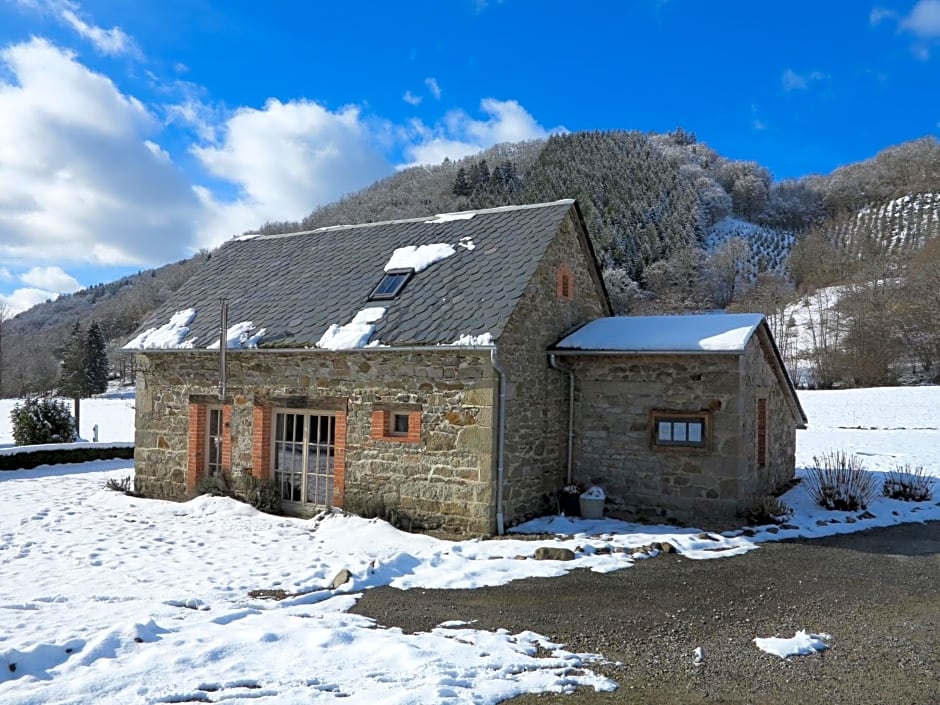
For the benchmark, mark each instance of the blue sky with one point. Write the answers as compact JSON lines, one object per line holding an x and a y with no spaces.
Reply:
{"x":133,"y":134}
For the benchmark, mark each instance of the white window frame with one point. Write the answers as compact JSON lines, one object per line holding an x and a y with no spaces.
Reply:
{"x":679,"y":430}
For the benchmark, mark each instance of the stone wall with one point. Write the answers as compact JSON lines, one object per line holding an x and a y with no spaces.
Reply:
{"x":614,"y":399}
{"x":759,"y":379}
{"x":537,"y":404}
{"x":445,"y":481}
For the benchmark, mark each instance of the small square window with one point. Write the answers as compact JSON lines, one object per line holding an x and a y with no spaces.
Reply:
{"x":676,"y":430}
{"x":392,"y":283}
{"x":399,"y":424}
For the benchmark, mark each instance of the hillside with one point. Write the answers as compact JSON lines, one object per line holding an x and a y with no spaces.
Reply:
{"x":676,"y":226}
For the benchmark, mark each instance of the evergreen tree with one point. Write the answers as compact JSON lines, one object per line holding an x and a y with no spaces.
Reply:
{"x":72,"y":381}
{"x":96,"y":361}
{"x":462,"y":186}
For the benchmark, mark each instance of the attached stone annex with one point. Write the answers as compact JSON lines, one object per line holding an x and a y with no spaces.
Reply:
{"x":419,"y":369}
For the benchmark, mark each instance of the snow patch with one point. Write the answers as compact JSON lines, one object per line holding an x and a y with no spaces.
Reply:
{"x":169,"y":335}
{"x":419,"y":257}
{"x":472,"y":340}
{"x":238,"y":336}
{"x":466,"y":243}
{"x":354,"y":334}
{"x":450,"y":217}
{"x":801,"y":644}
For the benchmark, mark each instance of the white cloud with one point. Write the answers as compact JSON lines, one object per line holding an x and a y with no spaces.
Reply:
{"x":52,"y":278}
{"x":286,"y":159}
{"x":459,"y":134}
{"x":411,"y":98}
{"x":433,"y":86}
{"x":22,"y":299}
{"x":5,"y":275}
{"x":880,"y":14}
{"x":924,"y":19}
{"x":792,"y":81}
{"x":78,"y":181}
{"x":112,"y":42}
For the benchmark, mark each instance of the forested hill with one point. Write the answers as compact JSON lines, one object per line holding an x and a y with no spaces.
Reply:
{"x":676,"y":225}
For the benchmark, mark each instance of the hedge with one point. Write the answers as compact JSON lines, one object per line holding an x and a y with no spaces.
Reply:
{"x":14,"y":459}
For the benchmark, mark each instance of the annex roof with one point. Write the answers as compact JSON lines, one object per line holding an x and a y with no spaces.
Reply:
{"x":470,"y":271}
{"x":707,"y":333}
{"x":699,"y":334}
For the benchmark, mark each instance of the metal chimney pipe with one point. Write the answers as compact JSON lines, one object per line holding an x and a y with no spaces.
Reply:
{"x":223,"y":345}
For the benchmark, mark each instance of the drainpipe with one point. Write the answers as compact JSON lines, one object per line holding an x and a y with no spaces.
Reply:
{"x":223,"y":345}
{"x":500,"y":441}
{"x":553,"y":362}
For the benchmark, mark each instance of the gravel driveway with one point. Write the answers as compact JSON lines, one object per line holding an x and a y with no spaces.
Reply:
{"x":877,"y":593}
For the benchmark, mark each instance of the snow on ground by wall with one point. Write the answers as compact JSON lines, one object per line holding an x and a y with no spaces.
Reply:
{"x":108,"y":598}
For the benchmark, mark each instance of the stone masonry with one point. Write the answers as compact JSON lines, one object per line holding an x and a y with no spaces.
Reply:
{"x":537,"y":404}
{"x":616,"y":395}
{"x":444,"y":482}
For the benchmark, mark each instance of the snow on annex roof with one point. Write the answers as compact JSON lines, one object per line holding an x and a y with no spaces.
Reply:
{"x":708,"y":333}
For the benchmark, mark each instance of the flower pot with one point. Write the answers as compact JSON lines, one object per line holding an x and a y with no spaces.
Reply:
{"x":569,"y":504}
{"x":591,"y":507}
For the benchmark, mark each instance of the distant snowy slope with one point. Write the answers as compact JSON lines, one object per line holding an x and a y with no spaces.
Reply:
{"x":895,"y":226}
{"x":769,"y":247}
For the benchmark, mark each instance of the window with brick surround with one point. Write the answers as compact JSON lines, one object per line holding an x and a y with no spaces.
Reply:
{"x":401,"y":425}
{"x":209,"y":442}
{"x":214,"y":441}
{"x":564,"y":283}
{"x":679,"y":429}
{"x":762,"y":432}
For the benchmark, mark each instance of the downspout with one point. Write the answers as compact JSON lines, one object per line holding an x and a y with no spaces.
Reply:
{"x":500,"y":440}
{"x":223,"y":345}
{"x":553,"y":362}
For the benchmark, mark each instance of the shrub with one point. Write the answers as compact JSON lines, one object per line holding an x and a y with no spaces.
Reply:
{"x":839,"y":481}
{"x":37,"y":421}
{"x":766,"y":509}
{"x":125,"y":485}
{"x":909,"y":483}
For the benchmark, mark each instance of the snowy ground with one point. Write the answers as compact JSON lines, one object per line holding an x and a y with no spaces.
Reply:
{"x":110,"y":599}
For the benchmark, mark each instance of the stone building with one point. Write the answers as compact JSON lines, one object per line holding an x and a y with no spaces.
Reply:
{"x":411,"y":368}
{"x":682,"y":417}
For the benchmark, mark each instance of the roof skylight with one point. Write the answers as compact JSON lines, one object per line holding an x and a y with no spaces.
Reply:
{"x":392,"y":283}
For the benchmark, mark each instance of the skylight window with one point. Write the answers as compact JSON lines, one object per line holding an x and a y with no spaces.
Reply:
{"x":391,"y":284}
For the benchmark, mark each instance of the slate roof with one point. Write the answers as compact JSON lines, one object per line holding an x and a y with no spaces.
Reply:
{"x":297,"y":285}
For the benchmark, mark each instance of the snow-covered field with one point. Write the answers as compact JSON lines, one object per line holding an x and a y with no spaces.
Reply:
{"x":113,"y":413}
{"x":110,"y":599}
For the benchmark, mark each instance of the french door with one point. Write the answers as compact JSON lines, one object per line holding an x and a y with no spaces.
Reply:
{"x":304,"y":453}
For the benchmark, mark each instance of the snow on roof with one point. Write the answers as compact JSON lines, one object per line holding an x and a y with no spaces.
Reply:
{"x":354,"y":334}
{"x":448,"y":217}
{"x":238,"y":336}
{"x":419,"y":257}
{"x":699,"y":333}
{"x":169,"y":335}
{"x":472,"y":340}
